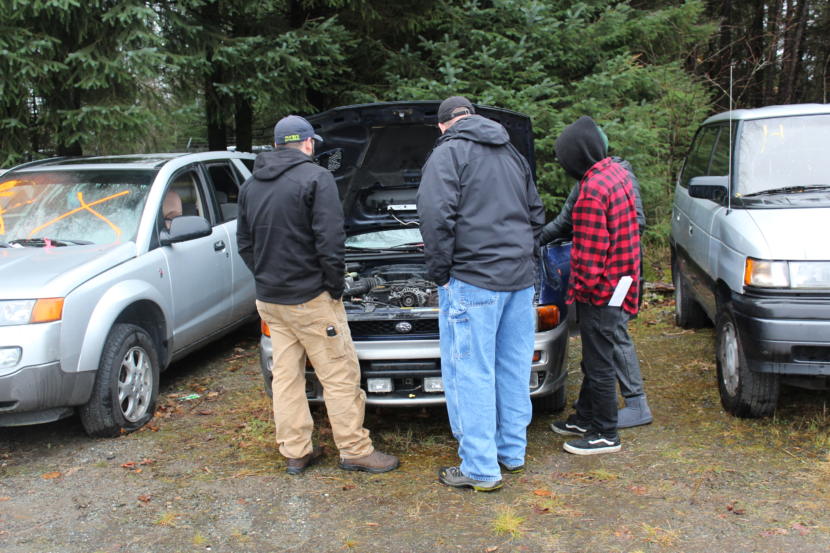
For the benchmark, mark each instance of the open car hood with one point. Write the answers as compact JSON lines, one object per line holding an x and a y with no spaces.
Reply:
{"x":376,"y":152}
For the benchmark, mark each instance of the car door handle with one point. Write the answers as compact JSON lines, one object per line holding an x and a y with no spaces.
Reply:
{"x":219,"y":246}
{"x":691,"y":230}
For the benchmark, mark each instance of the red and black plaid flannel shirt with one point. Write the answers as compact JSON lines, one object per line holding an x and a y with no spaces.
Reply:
{"x":606,"y":239}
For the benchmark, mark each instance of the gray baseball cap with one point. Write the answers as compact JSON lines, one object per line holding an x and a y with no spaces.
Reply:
{"x":294,"y":128}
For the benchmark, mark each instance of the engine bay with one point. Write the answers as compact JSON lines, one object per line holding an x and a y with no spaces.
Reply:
{"x":389,"y":286}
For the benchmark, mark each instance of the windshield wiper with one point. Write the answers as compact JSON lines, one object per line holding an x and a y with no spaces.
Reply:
{"x":42,"y":242}
{"x":408,"y":246}
{"x":789,"y":190}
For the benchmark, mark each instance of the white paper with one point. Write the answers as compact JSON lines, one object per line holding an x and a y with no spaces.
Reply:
{"x":620,"y":291}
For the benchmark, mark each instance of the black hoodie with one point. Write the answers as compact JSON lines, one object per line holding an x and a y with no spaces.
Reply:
{"x":290,"y":229}
{"x":479,"y":209}
{"x":580,"y":147}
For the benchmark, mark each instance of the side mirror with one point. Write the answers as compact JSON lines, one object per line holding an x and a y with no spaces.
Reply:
{"x":184,"y":228}
{"x":713,"y":188}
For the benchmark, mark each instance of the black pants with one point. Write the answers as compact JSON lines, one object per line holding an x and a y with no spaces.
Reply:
{"x":600,"y":328}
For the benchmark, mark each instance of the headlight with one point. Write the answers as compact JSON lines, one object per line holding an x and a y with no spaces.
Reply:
{"x":16,"y":312}
{"x":787,"y":274}
{"x":21,"y":312}
{"x":810,"y":274}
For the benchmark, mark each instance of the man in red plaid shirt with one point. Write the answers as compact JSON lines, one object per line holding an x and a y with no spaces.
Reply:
{"x":605,"y":261}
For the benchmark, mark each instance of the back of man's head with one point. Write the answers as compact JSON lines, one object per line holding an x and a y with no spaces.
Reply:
{"x":454,"y":106}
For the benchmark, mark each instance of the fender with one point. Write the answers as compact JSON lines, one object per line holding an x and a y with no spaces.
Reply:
{"x":109,"y":307}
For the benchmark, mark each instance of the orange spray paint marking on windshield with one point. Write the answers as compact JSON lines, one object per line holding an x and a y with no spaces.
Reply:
{"x":6,"y":192}
{"x":84,"y":207}
{"x":112,"y":225}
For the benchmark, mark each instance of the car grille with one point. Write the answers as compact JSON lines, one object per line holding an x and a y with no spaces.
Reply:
{"x":387,"y":328}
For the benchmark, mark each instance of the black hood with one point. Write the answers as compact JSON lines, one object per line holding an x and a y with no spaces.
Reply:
{"x":580,"y":146}
{"x":376,"y":152}
{"x":478,"y":129}
{"x":270,"y":165}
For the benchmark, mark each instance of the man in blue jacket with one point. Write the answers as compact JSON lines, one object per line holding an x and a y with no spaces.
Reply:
{"x":480,"y":218}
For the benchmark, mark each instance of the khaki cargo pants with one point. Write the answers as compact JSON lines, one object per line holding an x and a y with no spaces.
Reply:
{"x":298,"y":331}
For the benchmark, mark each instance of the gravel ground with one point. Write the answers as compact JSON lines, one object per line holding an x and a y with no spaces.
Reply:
{"x":205,"y":475}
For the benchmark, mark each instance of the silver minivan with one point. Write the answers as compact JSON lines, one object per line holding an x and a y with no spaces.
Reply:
{"x":750,"y":242}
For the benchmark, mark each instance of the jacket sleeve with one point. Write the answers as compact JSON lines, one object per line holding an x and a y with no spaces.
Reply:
{"x":562,"y":226}
{"x":437,"y":199}
{"x":329,"y":236}
{"x":244,"y":236}
{"x":536,"y":210}
{"x":638,"y":202}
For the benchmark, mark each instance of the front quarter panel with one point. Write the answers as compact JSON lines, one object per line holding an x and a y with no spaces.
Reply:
{"x":91,"y":310}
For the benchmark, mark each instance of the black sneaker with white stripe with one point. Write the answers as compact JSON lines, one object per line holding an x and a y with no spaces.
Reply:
{"x":570,"y":427}
{"x":593,"y":444}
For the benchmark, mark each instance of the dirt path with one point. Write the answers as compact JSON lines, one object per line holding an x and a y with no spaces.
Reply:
{"x":206,"y":476}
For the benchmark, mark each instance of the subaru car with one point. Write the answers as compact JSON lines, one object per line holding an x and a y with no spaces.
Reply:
{"x":376,"y":152}
{"x":112,"y":267}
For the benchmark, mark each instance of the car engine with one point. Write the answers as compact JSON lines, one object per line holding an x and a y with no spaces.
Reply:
{"x":391,"y":286}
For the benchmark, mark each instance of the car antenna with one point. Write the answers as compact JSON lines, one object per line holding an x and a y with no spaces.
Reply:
{"x":729,"y":171}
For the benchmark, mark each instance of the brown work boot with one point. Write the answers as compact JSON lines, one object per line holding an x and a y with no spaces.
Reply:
{"x":296,"y":466}
{"x":376,"y":462}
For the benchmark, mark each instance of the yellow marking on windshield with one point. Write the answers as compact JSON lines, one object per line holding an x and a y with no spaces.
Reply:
{"x":112,"y":225}
{"x":768,"y":134}
{"x":84,"y":207}
{"x":7,"y":192}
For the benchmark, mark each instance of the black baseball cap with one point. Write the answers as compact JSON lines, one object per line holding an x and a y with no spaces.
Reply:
{"x":294,"y":128}
{"x":454,"y":106}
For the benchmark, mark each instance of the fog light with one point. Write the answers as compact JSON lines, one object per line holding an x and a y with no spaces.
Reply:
{"x":9,"y":357}
{"x":379,"y":385}
{"x":534,"y":380}
{"x":433,"y":384}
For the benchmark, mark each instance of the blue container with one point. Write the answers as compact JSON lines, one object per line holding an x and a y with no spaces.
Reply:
{"x":555,"y":269}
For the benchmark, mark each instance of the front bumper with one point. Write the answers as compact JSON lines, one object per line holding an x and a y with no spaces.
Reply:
{"x":37,"y":388}
{"x":785,"y":335}
{"x":408,"y":362}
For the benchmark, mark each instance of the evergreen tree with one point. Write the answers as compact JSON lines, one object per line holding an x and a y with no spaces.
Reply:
{"x":73,"y":76}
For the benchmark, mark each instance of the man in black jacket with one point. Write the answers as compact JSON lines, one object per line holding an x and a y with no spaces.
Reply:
{"x":480,"y":217}
{"x":290,"y":235}
{"x":636,"y":411}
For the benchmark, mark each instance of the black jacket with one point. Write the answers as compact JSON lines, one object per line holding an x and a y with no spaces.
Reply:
{"x":290,"y":228}
{"x":479,"y":209}
{"x":562,"y":226}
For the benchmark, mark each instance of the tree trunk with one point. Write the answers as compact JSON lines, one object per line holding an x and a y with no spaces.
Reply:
{"x":244,"y":125}
{"x":214,"y":113}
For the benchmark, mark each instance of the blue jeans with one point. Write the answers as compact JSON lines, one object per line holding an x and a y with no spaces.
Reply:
{"x":487,"y":342}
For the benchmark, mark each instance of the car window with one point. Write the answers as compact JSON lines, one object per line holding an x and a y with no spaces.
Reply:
{"x":697,"y":162}
{"x":224,"y":183}
{"x":77,"y":206}
{"x":183,"y":197}
{"x":249,"y":163}
{"x":720,"y":155}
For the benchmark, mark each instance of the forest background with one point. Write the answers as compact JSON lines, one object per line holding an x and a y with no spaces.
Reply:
{"x":125,"y":76}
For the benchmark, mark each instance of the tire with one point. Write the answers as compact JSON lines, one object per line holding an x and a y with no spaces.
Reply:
{"x":687,"y":312}
{"x":743,"y":392}
{"x":126,"y":386}
{"x":552,"y":403}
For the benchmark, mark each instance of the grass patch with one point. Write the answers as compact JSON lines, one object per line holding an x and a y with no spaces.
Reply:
{"x":507,"y":522}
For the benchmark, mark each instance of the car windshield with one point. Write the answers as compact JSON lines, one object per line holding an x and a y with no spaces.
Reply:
{"x":72,"y":207}
{"x":385,"y":239}
{"x":785,"y":154}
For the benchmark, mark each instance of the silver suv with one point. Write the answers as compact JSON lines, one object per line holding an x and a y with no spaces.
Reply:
{"x":111,"y":268}
{"x":750,"y":250}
